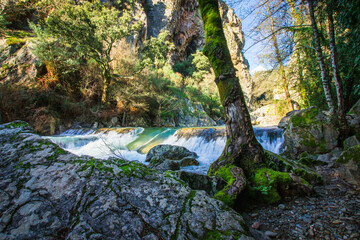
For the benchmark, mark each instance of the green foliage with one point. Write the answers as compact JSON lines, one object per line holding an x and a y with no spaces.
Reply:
{"x":155,"y":51}
{"x":3,"y":23}
{"x":185,"y":68}
{"x":91,"y":29}
{"x":61,"y":58}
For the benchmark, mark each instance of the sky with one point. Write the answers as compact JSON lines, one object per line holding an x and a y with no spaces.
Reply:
{"x":250,"y":51}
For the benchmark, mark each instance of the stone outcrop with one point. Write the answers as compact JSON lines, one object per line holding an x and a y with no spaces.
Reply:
{"x":349,"y":165}
{"x":47,"y":193}
{"x":310,"y":130}
{"x":18,"y":63}
{"x":181,"y":18}
{"x":169,"y":157}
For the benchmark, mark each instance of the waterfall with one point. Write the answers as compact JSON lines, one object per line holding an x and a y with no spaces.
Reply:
{"x":134,"y":143}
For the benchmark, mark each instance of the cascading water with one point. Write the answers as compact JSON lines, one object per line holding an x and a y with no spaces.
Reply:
{"x":134,"y":143}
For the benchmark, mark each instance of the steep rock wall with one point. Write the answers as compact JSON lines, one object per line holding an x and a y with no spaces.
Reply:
{"x":181,"y":18}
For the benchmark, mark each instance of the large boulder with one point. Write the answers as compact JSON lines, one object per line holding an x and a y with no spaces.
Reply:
{"x":310,"y":130}
{"x":349,"y":165}
{"x":48,"y":193}
{"x":353,"y":119}
{"x":169,"y":157}
{"x":284,"y":122}
{"x":197,"y":181}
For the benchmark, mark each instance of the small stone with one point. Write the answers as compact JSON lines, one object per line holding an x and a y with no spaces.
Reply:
{"x":256,"y":225}
{"x":254,"y":215}
{"x":355,"y":235}
{"x":311,"y":233}
{"x":271,"y":234}
{"x":282,"y":206}
{"x":336,"y":222}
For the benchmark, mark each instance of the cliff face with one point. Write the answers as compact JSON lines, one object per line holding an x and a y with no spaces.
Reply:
{"x":181,"y":18}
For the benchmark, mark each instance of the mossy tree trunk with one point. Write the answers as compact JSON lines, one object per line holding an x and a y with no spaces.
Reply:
{"x":105,"y":97}
{"x":243,"y":160}
{"x":242,"y":149}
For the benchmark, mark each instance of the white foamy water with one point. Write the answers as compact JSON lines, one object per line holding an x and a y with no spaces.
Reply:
{"x":134,"y":144}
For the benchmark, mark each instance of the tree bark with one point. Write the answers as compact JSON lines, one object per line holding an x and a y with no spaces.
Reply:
{"x":107,"y":80}
{"x":337,"y":77}
{"x":242,"y":149}
{"x":297,"y":38}
{"x":279,"y":60}
{"x":324,"y":74}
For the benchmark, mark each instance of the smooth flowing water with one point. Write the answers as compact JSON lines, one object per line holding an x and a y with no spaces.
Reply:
{"x":134,"y":143}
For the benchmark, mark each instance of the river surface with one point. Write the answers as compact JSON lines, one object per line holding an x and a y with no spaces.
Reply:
{"x":133,"y":143}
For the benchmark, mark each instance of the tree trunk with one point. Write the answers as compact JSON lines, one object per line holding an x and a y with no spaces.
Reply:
{"x":242,"y":149}
{"x":279,"y":60}
{"x":324,"y":74}
{"x":337,"y":78}
{"x":107,"y":80}
{"x":297,"y":38}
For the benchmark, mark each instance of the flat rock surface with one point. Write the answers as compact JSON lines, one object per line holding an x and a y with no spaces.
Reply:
{"x":47,"y":193}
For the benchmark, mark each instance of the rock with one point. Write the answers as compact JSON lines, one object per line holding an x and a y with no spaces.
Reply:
{"x":48,"y":193}
{"x":351,"y":142}
{"x":197,"y":181}
{"x":281,"y":206}
{"x":270,"y":234}
{"x":284,"y":122}
{"x":310,"y":130}
{"x":265,"y":116}
{"x":256,"y":225}
{"x":192,"y":115}
{"x":355,"y":110}
{"x":169,"y":157}
{"x":114,"y":121}
{"x":349,"y":165}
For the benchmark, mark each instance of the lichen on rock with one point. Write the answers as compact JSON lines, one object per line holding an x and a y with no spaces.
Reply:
{"x":48,"y":193}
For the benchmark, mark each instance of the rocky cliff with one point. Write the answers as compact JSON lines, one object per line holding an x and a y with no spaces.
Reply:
{"x":181,"y":18}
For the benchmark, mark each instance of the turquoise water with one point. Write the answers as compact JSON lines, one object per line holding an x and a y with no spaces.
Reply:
{"x":134,"y":143}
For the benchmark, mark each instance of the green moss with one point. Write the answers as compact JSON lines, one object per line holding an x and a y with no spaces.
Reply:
{"x":270,"y":179}
{"x":226,"y":174}
{"x":306,"y":118}
{"x":219,"y":235}
{"x":351,"y":154}
{"x":17,"y":124}
{"x":225,"y":197}
{"x":11,"y":41}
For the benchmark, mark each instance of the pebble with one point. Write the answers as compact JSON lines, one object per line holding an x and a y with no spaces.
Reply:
{"x":271,"y":234}
{"x":281,"y":206}
{"x":255,"y":225}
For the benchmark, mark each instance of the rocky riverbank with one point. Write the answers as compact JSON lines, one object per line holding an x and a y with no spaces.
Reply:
{"x":333,"y":213}
{"x":48,"y":193}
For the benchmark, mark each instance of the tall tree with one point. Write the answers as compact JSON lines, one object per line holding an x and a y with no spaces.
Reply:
{"x":324,"y":73}
{"x":92,"y":29}
{"x":242,"y":149}
{"x":336,"y":72}
{"x":298,"y":22}
{"x":279,"y":59}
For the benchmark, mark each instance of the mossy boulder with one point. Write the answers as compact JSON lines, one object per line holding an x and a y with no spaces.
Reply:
{"x":274,"y":180}
{"x":351,"y":142}
{"x":353,"y":119}
{"x":310,"y":130}
{"x":349,"y":165}
{"x":169,"y":157}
